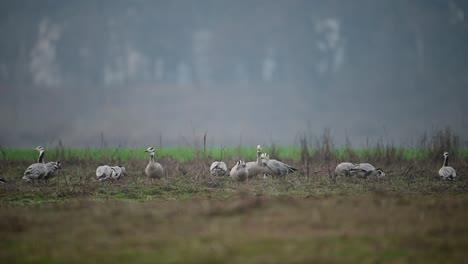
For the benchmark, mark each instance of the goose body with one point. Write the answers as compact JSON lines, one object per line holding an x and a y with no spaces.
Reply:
{"x":274,"y":167}
{"x":343,"y":169}
{"x":364,"y":170}
{"x":447,"y":172}
{"x":239,"y":172}
{"x":153,"y":170}
{"x":218,"y":168}
{"x":256,"y":167}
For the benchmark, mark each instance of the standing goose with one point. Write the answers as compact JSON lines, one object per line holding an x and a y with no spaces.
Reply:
{"x":256,"y":167}
{"x":239,"y":172}
{"x":153,"y":170}
{"x":343,"y":169}
{"x":218,"y":168}
{"x":274,"y":167}
{"x":447,"y":172}
{"x":37,"y":170}
{"x":364,"y":170}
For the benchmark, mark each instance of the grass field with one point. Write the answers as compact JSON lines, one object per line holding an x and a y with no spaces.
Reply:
{"x":190,"y":217}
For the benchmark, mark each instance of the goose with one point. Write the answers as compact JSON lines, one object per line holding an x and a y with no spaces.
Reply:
{"x":343,"y":169}
{"x":274,"y":167}
{"x":218,"y":168}
{"x":239,"y":172}
{"x":364,"y":170}
{"x":52,"y":168}
{"x":256,"y":167}
{"x":104,"y":172}
{"x":153,"y":170}
{"x":119,"y":171}
{"x":447,"y":172}
{"x":37,"y":170}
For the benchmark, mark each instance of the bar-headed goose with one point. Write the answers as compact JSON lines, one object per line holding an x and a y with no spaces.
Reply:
{"x":119,"y":171}
{"x":218,"y":168}
{"x":274,"y":167}
{"x":239,"y":172}
{"x":52,"y":169}
{"x":447,"y":172}
{"x":364,"y":170}
{"x":104,"y":172}
{"x":153,"y":170}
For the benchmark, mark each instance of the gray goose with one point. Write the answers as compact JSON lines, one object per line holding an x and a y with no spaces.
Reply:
{"x":153,"y":170}
{"x":447,"y":172}
{"x":274,"y":167}
{"x":239,"y":172}
{"x":104,"y":172}
{"x":364,"y":170}
{"x":218,"y":168}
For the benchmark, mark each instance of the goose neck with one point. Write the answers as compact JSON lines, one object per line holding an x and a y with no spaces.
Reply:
{"x":445,"y":161}
{"x":41,"y":156}
{"x":259,"y":153}
{"x":152,"y":157}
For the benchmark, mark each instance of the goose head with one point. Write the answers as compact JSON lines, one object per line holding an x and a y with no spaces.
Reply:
{"x":58,"y":165}
{"x":150,"y":150}
{"x":241,"y":164}
{"x":39,"y":149}
{"x":380,"y":172}
{"x":446,"y":154}
{"x":264,"y":158}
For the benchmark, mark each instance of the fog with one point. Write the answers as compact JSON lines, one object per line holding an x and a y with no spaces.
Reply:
{"x":140,"y":73}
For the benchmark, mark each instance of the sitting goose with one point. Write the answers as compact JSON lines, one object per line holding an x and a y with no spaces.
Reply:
{"x":104,"y":172}
{"x":153,"y":170}
{"x":239,"y":172}
{"x":447,"y":172}
{"x":256,"y":167}
{"x":218,"y":168}
{"x":37,"y":170}
{"x":119,"y":171}
{"x":343,"y":169}
{"x":274,"y":167}
{"x":364,"y":170}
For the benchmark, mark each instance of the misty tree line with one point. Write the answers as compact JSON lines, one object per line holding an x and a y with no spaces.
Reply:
{"x":54,"y":43}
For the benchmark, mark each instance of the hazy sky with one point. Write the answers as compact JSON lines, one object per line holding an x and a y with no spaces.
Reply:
{"x":252,"y":72}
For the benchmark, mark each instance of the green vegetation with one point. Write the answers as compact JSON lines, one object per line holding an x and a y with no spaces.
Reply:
{"x":189,"y":154}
